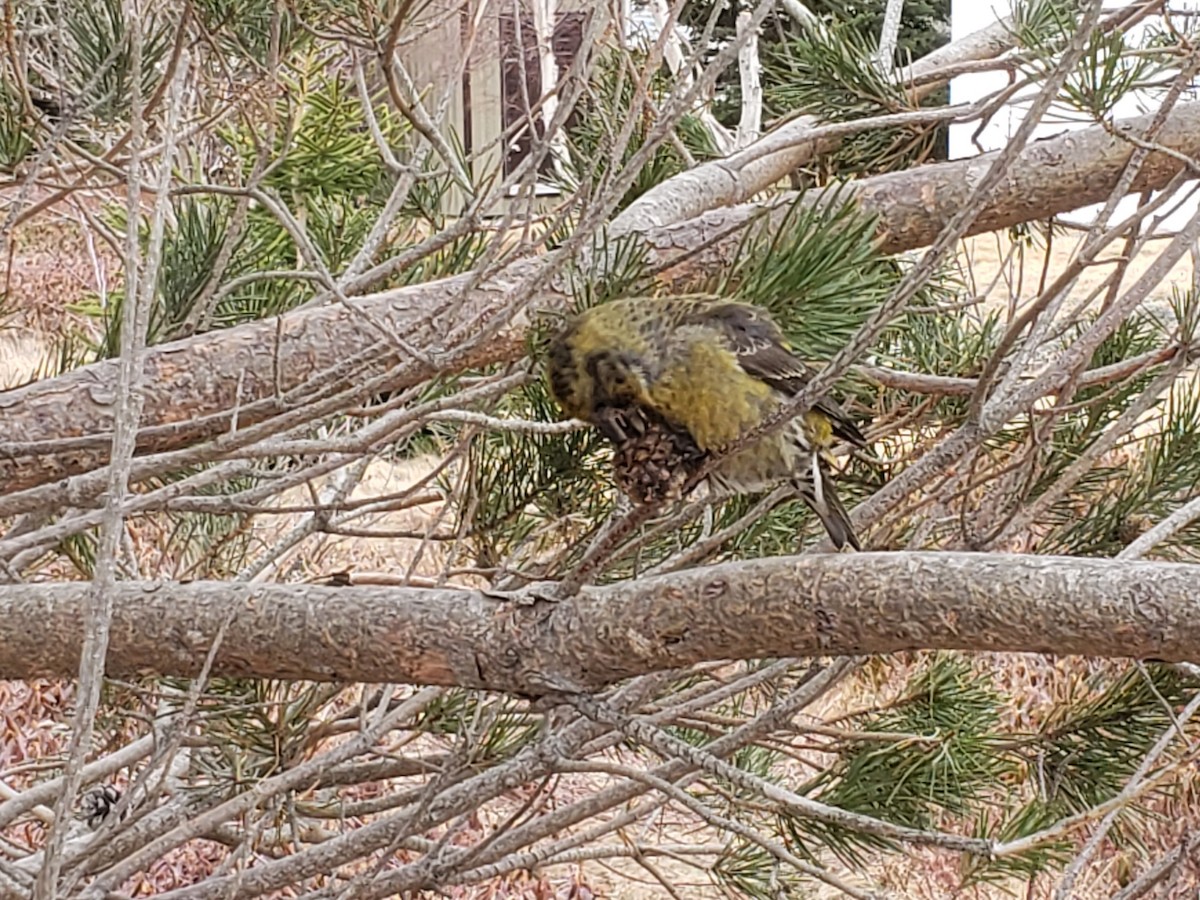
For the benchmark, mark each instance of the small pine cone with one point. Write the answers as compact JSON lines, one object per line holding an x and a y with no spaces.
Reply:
{"x":1132,"y":527}
{"x":654,"y":466}
{"x":97,"y":804}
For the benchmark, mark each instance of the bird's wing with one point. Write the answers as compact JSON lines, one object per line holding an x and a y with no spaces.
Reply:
{"x":763,"y":352}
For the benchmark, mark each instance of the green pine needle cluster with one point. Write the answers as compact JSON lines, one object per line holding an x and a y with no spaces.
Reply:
{"x":595,"y":130}
{"x":494,"y":728}
{"x":835,"y":78}
{"x":16,"y":135}
{"x":98,"y":64}
{"x":817,"y":270}
{"x":747,"y":869}
{"x":944,"y":761}
{"x":259,"y":727}
{"x":1113,"y":65}
{"x":1157,"y":476}
{"x":523,"y":485}
{"x":242,"y":28}
{"x":924,"y":24}
{"x":330,"y":176}
{"x":1083,"y":755}
{"x":939,"y":757}
{"x":1145,"y":477}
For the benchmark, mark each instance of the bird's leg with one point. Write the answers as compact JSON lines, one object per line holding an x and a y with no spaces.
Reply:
{"x":528,"y":595}
{"x":603,"y":546}
{"x":613,"y":534}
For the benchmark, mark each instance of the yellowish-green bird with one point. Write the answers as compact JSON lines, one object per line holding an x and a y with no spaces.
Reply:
{"x":671,"y":381}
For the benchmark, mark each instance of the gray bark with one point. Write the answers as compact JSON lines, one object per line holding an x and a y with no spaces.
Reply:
{"x":813,"y":605}
{"x":787,"y":147}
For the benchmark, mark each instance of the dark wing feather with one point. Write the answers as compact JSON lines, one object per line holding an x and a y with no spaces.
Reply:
{"x":829,"y":508}
{"x":763,"y":353}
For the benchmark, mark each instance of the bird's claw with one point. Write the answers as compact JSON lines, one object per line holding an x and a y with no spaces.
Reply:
{"x":531,"y":594}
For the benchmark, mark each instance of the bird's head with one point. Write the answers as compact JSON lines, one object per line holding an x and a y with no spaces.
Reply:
{"x":599,"y":362}
{"x":618,"y":379}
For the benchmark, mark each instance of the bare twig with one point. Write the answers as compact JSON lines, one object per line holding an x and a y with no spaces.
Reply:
{"x":889,"y":35}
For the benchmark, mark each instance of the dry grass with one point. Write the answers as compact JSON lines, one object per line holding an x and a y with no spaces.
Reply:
{"x":1001,"y":272}
{"x":51,"y":267}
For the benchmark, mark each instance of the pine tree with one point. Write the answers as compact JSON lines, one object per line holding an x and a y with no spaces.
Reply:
{"x":313,"y":174}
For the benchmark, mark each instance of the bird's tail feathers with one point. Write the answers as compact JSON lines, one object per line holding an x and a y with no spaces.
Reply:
{"x":818,"y":491}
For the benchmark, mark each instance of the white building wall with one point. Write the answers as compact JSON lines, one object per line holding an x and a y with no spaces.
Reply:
{"x":968,"y":16}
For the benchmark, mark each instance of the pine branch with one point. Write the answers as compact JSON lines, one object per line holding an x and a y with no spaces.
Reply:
{"x":64,"y":405}
{"x":786,"y":606}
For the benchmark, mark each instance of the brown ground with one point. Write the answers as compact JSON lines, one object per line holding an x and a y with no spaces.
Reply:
{"x":997,"y":270}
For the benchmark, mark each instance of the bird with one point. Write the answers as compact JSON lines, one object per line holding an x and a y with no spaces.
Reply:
{"x":674,"y":381}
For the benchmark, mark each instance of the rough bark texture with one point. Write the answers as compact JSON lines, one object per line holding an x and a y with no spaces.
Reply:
{"x":212,"y":384}
{"x":787,"y":606}
{"x":223,"y":381}
{"x":1051,"y":176}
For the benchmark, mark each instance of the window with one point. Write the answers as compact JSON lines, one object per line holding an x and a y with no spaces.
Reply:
{"x":522,"y":116}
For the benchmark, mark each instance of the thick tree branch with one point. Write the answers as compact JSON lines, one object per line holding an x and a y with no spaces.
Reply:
{"x":219,"y":382}
{"x":787,"y":606}
{"x":1051,"y":176}
{"x":795,"y":143}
